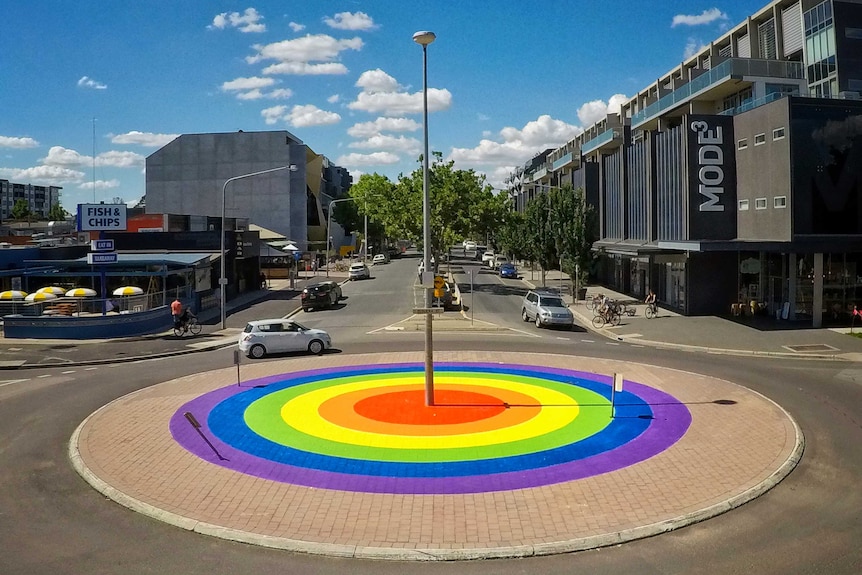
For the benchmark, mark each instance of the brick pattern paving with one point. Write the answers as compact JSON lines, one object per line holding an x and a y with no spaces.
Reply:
{"x":731,"y":447}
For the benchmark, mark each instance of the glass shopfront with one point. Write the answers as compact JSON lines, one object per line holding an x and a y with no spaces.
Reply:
{"x":842,"y":287}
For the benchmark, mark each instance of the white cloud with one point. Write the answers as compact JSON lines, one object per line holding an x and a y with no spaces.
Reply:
{"x":375,"y":159}
{"x":100,"y":185}
{"x":305,"y":69}
{"x":144,"y":139}
{"x":311,"y":115}
{"x":591,"y":112}
{"x":333,"y":99}
{"x":17,"y":143}
{"x":373,"y":81}
{"x":45,"y":175}
{"x":705,"y":17}
{"x":518,"y":144}
{"x":385,"y":142}
{"x":369,"y":129}
{"x":64,"y":157}
{"x":248,"y":21}
{"x":482,"y":117}
{"x":87,"y":82}
{"x":309,"y":48}
{"x":279,"y":94}
{"x":350,"y":21}
{"x":399,"y":103}
{"x":243,"y":84}
{"x":296,"y":27}
{"x":274,"y":114}
{"x":692,"y":47}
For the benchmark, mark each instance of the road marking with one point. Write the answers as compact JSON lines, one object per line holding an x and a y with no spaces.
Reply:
{"x":564,"y":338}
{"x":5,"y":382}
{"x":14,"y":349}
{"x":588,"y":340}
{"x":611,"y":343}
{"x":90,"y":368}
{"x":44,"y":375}
{"x":68,"y":372}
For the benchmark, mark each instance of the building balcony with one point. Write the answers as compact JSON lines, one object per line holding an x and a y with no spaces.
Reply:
{"x":730,"y":69}
{"x":562,"y":162}
{"x":612,"y":136}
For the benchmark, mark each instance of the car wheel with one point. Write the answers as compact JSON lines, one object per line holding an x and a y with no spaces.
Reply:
{"x":538,"y":321}
{"x":306,"y":309}
{"x":257,"y":351}
{"x":524,"y":315}
{"x":315,"y":346}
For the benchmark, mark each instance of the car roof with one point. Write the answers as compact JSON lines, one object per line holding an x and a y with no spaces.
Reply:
{"x":269,"y":321}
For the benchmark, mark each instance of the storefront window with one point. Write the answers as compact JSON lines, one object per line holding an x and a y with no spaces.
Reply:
{"x":675,"y":286}
{"x":841,"y":287}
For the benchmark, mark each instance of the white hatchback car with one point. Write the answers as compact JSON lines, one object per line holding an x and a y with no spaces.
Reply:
{"x":358,"y":271}
{"x":488,"y":258}
{"x":265,"y":336}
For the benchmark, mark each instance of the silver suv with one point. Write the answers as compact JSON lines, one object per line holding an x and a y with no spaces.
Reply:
{"x":546,"y":308}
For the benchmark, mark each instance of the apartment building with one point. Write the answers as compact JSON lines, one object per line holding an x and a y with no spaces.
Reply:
{"x":733,"y":184}
{"x":39,"y":198}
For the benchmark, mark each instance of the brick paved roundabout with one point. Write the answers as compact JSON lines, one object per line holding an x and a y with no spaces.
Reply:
{"x":338,"y":455}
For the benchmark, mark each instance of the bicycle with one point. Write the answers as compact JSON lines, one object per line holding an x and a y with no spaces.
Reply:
{"x":593,"y":303}
{"x":191,"y":325}
{"x":651,"y":310}
{"x":608,"y":316}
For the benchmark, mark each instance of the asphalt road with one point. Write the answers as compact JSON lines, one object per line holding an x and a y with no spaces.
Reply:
{"x":51,"y":522}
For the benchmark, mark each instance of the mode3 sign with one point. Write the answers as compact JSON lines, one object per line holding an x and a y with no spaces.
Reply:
{"x":98,"y":217}
{"x":710,"y":166}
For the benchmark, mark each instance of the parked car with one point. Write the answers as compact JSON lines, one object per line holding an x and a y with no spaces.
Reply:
{"x":546,"y":308}
{"x":488,"y":258}
{"x":380,"y":259}
{"x":358,"y":271}
{"x":320,"y":295}
{"x":469,"y":245}
{"x":499,"y":260}
{"x":508,"y":270}
{"x":266,"y":336}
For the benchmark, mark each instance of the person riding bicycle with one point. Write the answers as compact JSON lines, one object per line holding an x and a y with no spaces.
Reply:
{"x":650,"y":300}
{"x":176,"y":311}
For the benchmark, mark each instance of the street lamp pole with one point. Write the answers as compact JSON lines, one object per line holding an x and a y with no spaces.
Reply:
{"x":223,"y":278}
{"x":329,"y":227}
{"x":424,"y":38}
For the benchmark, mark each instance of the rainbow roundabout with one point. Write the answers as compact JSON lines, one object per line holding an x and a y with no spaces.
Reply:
{"x":365,"y":428}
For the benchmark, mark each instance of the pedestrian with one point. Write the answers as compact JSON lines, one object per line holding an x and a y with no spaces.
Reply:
{"x":262,"y":280}
{"x":176,"y":311}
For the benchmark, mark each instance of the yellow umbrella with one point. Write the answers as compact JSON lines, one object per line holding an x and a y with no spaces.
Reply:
{"x":128,"y":290}
{"x":13,"y":294}
{"x":40,"y":296}
{"x":81,"y":292}
{"x":52,"y":290}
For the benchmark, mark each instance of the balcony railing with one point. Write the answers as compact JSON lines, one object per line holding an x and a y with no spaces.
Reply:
{"x":598,"y":141}
{"x":731,"y":67}
{"x":561,"y":162}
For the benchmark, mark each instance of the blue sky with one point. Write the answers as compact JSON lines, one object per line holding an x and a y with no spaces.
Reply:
{"x":507,"y":79}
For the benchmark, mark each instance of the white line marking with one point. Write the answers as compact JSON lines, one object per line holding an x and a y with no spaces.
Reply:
{"x":90,"y":368}
{"x":44,"y":375}
{"x":11,"y":381}
{"x":588,"y":340}
{"x":611,"y":343}
{"x":68,"y":372}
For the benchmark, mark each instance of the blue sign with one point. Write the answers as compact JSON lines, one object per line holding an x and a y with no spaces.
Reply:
{"x":102,"y":245}
{"x":297,"y":255}
{"x":102,"y":258}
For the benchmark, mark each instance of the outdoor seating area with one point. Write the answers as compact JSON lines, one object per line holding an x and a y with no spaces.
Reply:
{"x":749,"y":308}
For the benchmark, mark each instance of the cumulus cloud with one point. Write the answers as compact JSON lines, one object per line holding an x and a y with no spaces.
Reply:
{"x":385,"y":142}
{"x":273,"y":115}
{"x":99,"y":185}
{"x":309,"y":48}
{"x":333,"y":99}
{"x":87,"y":82}
{"x":591,"y":112}
{"x":46,"y":175}
{"x":63,"y":157}
{"x":375,"y":159}
{"x":296,"y":27}
{"x":242,"y":84}
{"x":705,"y":17}
{"x":381,"y":94}
{"x":310,"y":115}
{"x":518,"y":144}
{"x":350,"y":21}
{"x":373,"y":81}
{"x":147,"y":139}
{"x":369,"y":129}
{"x":306,"y":69}
{"x":692,"y":47}
{"x":248,"y":21}
{"x":17,"y":143}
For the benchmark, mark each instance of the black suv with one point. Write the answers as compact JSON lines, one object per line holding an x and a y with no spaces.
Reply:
{"x":324,"y":294}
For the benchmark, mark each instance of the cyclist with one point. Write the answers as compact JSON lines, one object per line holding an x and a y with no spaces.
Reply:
{"x":176,"y":311}
{"x":650,"y":301}
{"x":185,"y":317}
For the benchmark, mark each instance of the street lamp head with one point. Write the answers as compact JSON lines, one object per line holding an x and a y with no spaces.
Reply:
{"x":424,"y":37}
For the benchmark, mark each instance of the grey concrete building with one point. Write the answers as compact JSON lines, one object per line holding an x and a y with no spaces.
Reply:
{"x":38,"y":198}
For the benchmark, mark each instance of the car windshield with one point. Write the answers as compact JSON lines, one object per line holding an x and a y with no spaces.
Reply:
{"x":299,"y":326}
{"x":552,"y":302}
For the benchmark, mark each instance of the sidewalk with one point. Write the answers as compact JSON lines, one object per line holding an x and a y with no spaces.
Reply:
{"x":761,"y":336}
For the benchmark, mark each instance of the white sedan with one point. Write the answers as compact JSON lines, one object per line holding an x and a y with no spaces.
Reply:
{"x":279,"y":335}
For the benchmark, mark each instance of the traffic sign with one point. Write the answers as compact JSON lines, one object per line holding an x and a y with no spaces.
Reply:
{"x":102,"y":245}
{"x":102,"y":258}
{"x":427,"y":310}
{"x":439,"y":282}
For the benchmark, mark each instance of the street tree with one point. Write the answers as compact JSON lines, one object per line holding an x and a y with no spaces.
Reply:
{"x":542,"y":236}
{"x":21,"y":210}
{"x":575,"y":226}
{"x":57,"y":213}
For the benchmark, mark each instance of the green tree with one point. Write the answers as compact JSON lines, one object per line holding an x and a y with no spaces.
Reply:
{"x":575,"y":225}
{"x":21,"y":210}
{"x":542,"y":237}
{"x":56,"y":213}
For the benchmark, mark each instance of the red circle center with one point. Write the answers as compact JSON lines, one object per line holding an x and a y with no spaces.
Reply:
{"x":451,"y":406}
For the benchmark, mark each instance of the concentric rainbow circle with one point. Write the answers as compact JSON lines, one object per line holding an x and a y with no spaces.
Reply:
{"x":493,"y":427}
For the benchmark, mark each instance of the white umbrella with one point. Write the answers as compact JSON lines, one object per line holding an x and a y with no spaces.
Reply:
{"x":81,"y":292}
{"x":52,"y":290}
{"x":13,"y":294}
{"x":128,"y":290}
{"x":40,"y":296}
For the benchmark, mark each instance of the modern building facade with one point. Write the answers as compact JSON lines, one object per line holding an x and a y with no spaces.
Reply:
{"x":187,"y":178}
{"x":734,"y":182}
{"x":39,"y":199}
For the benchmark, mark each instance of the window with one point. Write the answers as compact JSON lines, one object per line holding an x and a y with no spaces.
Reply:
{"x":759,"y":139}
{"x":760,"y":204}
{"x":742,"y":144}
{"x":777,"y":134}
{"x":779,"y":202}
{"x":743,"y":205}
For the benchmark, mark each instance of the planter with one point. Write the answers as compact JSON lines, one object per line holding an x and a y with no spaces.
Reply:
{"x":582,"y":293}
